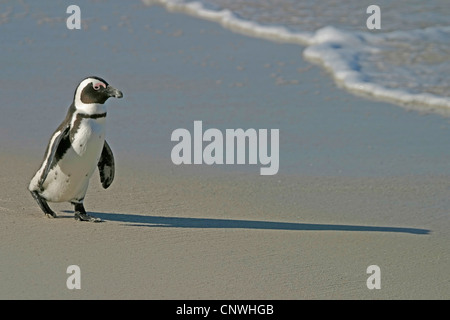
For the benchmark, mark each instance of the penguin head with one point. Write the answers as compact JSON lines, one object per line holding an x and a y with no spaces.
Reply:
{"x":94,"y":90}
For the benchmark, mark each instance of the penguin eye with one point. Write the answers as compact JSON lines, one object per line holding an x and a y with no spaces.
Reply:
{"x":98,"y":85}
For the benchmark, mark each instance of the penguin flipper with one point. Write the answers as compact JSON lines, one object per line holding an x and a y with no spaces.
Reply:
{"x":106,"y":166}
{"x":55,"y":140}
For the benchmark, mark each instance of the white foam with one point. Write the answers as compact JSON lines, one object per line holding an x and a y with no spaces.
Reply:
{"x":343,"y":53}
{"x":229,"y":20}
{"x":383,"y":65}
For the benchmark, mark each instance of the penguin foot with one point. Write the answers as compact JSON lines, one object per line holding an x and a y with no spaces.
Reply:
{"x":79,"y":216}
{"x":43,"y":205}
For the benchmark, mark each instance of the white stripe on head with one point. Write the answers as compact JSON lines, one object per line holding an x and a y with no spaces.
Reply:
{"x":89,"y":108}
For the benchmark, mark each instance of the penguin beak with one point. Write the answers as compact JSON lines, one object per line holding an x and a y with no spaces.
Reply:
{"x":113,"y":92}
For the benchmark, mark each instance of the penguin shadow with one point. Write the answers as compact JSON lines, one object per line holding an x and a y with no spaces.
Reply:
{"x":209,"y":223}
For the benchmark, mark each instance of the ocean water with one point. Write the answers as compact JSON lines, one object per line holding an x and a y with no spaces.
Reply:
{"x":406,"y":61}
{"x":174,"y":70}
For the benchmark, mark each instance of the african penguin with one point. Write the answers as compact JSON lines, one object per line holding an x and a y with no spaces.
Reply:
{"x":76,"y":147}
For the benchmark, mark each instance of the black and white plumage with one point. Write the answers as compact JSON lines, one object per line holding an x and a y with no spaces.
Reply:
{"x":76,"y":147}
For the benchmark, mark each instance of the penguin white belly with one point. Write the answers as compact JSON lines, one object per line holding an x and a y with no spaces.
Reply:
{"x":68,"y":180}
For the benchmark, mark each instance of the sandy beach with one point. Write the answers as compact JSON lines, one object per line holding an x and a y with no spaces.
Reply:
{"x":361,"y":182}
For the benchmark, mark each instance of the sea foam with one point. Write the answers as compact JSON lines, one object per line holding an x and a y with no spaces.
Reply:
{"x":407,"y":67}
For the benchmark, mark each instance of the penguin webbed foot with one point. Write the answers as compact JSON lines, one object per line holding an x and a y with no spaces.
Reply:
{"x":81,"y":215}
{"x":43,"y":205}
{"x":85,"y":217}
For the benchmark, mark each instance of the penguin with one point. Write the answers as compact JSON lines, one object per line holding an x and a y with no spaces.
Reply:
{"x":75,"y":149}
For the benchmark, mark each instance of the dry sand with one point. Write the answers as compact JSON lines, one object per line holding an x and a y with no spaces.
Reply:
{"x":169,"y":234}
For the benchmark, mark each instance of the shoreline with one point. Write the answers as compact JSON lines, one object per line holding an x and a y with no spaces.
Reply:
{"x":317,"y":46}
